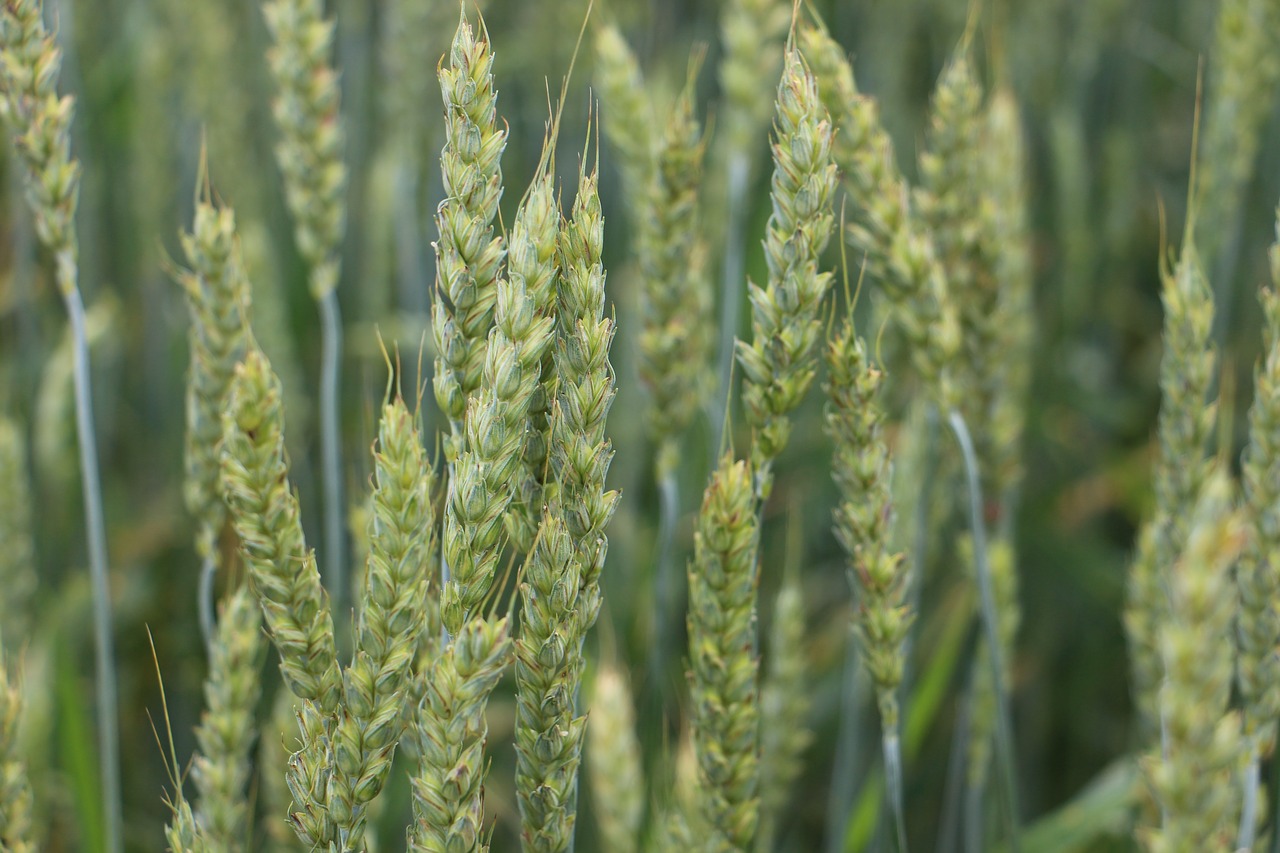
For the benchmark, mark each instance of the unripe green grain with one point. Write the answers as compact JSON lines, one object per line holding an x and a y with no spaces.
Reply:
{"x":613,"y":762}
{"x":468,"y":254}
{"x":448,"y":788}
{"x":1191,"y":772}
{"x":371,"y":719}
{"x":284,"y":577}
{"x":779,"y":363}
{"x":227,"y":731}
{"x":785,"y":699}
{"x":723,"y":664}
{"x":1258,"y":574}
{"x":886,"y":229}
{"x":264,"y":509}
{"x":675,"y":301}
{"x":524,"y":333}
{"x":17,"y":834}
{"x":311,"y":138}
{"x":1185,"y":424}
{"x":864,"y":517}
{"x":626,"y":109}
{"x":217,"y":291}
{"x":17,"y":551}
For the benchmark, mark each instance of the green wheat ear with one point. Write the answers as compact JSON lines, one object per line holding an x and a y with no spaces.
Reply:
{"x":1258,"y":572}
{"x":218,"y":299}
{"x":1201,"y":746}
{"x":264,"y":509}
{"x":226,"y":733}
{"x":17,"y":550}
{"x":779,"y":362}
{"x":371,"y":720}
{"x":723,"y":665}
{"x":1186,"y":420}
{"x":886,"y":228}
{"x":468,"y":254}
{"x":613,"y":761}
{"x":785,"y":700}
{"x":17,"y":832}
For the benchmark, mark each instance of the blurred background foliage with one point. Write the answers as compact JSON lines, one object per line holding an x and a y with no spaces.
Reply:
{"x":1108,"y":92}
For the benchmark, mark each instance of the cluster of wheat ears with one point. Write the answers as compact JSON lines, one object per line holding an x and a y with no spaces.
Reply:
{"x":482,"y":547}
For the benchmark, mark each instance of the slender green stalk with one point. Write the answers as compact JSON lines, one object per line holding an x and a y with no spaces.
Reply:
{"x":991,"y":625}
{"x":40,"y":122}
{"x":753,"y":33}
{"x":310,"y":159}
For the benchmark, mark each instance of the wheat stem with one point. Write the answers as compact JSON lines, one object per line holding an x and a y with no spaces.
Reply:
{"x":104,"y":655}
{"x":990,"y":623}
{"x":331,"y":451}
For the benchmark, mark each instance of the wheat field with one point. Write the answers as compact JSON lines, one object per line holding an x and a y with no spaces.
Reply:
{"x":639,"y":425}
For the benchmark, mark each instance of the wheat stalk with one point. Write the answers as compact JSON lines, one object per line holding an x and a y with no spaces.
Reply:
{"x":40,"y":122}
{"x":310,"y":158}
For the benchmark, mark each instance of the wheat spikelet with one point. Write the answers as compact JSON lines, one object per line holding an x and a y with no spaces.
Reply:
{"x":779,"y":363}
